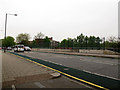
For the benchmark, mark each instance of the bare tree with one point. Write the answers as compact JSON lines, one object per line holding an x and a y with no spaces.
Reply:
{"x":112,"y":39}
{"x":39,"y":36}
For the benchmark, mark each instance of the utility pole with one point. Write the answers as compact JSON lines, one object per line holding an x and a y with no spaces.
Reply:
{"x":6,"y":28}
{"x":5,"y":32}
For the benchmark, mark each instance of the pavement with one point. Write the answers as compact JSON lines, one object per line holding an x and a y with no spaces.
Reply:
{"x":61,"y":82}
{"x":19,"y":73}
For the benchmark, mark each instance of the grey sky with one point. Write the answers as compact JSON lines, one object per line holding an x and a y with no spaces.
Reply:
{"x":60,"y":18}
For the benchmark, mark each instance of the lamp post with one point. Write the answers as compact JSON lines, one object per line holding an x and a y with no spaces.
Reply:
{"x":6,"y":28}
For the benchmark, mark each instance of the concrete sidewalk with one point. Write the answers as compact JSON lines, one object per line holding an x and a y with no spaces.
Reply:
{"x":76,"y":53}
{"x":21,"y":73}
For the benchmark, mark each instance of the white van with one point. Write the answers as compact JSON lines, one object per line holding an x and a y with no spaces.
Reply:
{"x":27,"y":48}
{"x":19,"y":48}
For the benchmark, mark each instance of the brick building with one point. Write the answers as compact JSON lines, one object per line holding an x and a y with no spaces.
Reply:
{"x":53,"y":43}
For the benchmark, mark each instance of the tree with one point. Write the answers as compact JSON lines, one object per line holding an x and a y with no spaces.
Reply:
{"x":69,"y":42}
{"x":46,"y":42}
{"x":97,"y":41}
{"x":39,"y":36}
{"x":91,"y":41}
{"x":113,"y":42}
{"x":112,"y":39}
{"x":75,"y":42}
{"x":0,"y":42}
{"x":80,"y":40}
{"x":86,"y":42}
{"x":118,"y":42}
{"x":34,"y":44}
{"x":64,"y":43}
{"x":9,"y":42}
{"x":23,"y":38}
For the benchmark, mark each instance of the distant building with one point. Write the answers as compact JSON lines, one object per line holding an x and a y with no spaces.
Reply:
{"x":29,"y":42}
{"x":40,"y":42}
{"x":53,"y":43}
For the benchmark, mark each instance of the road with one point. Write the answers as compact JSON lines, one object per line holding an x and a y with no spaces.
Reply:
{"x":107,"y":67}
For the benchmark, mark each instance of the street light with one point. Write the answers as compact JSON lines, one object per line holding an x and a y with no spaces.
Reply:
{"x":6,"y":27}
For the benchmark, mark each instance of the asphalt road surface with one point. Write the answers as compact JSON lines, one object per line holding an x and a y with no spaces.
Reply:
{"x":107,"y":67}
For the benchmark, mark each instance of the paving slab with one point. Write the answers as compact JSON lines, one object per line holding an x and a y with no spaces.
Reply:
{"x":61,"y":82}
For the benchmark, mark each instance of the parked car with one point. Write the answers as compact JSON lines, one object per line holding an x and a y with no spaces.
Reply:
{"x":9,"y":48}
{"x":0,"y":48}
{"x":19,"y":48}
{"x":27,"y":48}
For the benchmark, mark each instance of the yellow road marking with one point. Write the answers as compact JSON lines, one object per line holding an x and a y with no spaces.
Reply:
{"x":62,"y":73}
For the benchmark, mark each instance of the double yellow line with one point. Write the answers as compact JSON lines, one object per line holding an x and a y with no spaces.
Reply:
{"x":63,"y":73}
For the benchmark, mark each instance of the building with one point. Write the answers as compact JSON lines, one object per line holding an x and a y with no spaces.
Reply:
{"x":40,"y":42}
{"x":53,"y":43}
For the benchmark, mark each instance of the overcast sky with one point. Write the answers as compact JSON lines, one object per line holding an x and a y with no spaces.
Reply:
{"x":60,"y":18}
